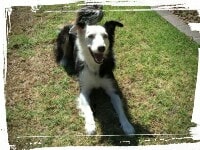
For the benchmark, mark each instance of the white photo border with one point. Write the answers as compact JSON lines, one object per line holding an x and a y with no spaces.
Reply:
{"x":161,"y":5}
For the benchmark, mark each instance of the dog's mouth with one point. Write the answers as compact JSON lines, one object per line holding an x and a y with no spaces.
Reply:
{"x":98,"y":57}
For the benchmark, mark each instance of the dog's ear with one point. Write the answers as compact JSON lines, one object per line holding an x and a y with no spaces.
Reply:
{"x":77,"y":27}
{"x":110,"y":26}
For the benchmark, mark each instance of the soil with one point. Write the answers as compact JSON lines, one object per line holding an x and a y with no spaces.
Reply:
{"x":188,"y":16}
{"x":22,"y":20}
{"x":25,"y":73}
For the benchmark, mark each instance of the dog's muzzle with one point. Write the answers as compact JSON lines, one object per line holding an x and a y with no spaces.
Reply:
{"x":99,"y":56}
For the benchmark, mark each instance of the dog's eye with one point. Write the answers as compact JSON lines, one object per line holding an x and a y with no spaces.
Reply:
{"x":105,"y":36}
{"x":91,"y":36}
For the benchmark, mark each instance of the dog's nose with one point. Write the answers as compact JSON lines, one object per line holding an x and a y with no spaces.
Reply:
{"x":101,"y":49}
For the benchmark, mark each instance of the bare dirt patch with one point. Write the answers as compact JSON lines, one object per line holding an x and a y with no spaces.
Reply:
{"x":24,"y":73}
{"x":188,"y":16}
{"x":22,"y":20}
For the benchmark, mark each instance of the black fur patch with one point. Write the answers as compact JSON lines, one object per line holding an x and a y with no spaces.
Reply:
{"x":110,"y":29}
{"x":64,"y":49}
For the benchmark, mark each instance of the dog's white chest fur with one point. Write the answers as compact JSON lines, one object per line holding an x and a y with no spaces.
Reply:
{"x":91,"y":80}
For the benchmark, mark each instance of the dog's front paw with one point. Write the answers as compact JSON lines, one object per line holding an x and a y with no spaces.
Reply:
{"x":128,"y":128}
{"x":90,"y":128}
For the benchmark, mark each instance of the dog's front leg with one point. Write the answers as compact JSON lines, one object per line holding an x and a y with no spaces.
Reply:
{"x":84,"y":106}
{"x":116,"y":101}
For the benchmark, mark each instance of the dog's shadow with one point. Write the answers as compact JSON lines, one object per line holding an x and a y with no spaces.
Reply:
{"x":108,"y":122}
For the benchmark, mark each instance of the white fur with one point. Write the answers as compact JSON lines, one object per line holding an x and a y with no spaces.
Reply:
{"x":83,"y":42}
{"x":90,"y":79}
{"x":98,"y":32}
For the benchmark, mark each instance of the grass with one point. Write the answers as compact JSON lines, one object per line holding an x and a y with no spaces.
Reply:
{"x":156,"y":71}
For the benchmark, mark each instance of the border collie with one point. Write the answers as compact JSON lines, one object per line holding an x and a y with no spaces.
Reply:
{"x":90,"y":55}
{"x":64,"y":50}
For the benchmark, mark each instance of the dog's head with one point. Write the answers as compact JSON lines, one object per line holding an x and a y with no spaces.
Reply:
{"x":97,"y":39}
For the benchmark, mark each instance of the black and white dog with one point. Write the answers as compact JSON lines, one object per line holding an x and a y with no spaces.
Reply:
{"x":64,"y":50}
{"x":93,"y":61}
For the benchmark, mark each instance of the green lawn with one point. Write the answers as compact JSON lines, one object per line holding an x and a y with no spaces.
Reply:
{"x":156,"y":67}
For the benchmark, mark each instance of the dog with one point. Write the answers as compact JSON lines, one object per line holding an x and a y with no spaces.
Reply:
{"x":64,"y":48}
{"x":90,"y":57}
